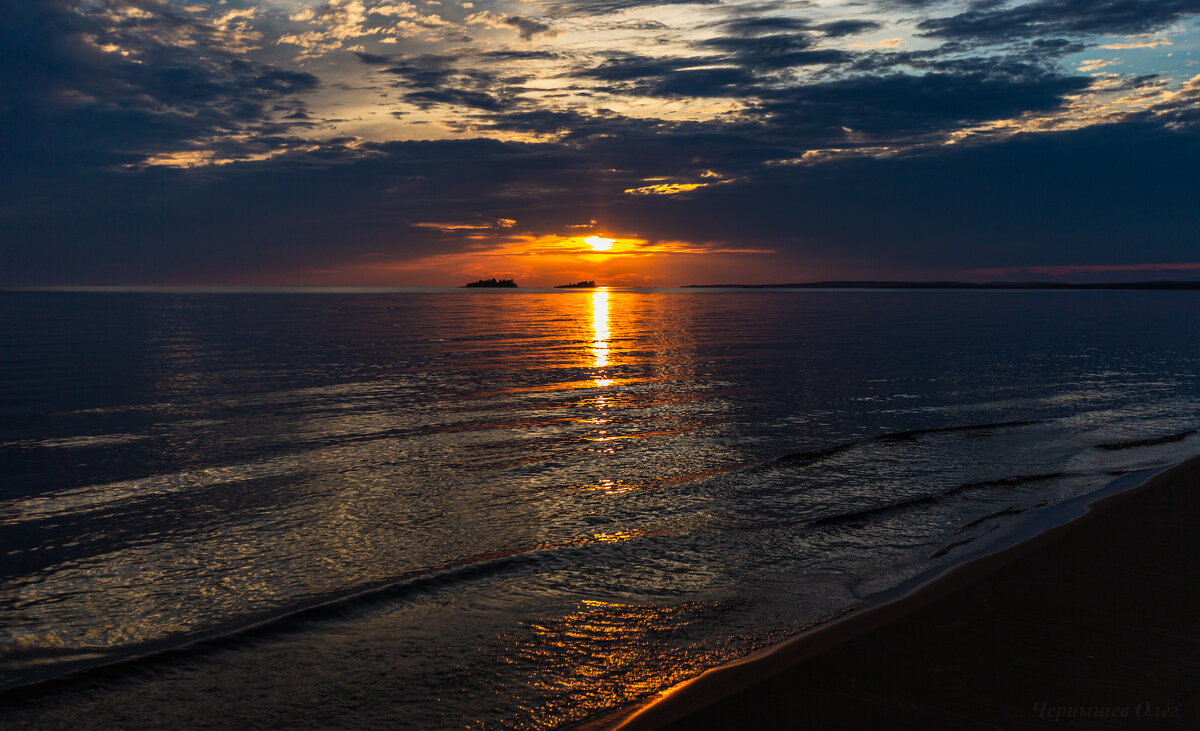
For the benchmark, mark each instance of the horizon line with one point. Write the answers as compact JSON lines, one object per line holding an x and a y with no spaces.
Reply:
{"x":1159,"y":284}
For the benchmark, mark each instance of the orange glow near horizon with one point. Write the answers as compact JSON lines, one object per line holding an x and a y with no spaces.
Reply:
{"x":552,"y":259}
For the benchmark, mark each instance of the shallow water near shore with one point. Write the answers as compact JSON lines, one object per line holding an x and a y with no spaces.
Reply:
{"x":449,"y":508}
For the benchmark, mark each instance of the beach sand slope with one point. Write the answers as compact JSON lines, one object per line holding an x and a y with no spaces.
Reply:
{"x":1095,"y":624}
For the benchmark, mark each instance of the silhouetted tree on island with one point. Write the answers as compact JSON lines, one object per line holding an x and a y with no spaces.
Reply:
{"x":586,"y":284}
{"x":493,"y":282}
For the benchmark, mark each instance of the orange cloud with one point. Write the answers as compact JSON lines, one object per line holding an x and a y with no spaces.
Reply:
{"x":553,"y":259}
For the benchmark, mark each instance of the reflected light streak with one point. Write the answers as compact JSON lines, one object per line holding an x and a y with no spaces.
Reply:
{"x":600,"y":335}
{"x":605,"y":654}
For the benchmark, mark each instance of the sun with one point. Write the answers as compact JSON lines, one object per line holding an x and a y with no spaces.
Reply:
{"x":599,"y":243}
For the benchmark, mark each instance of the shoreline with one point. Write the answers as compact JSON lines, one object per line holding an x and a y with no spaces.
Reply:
{"x":750,"y":688}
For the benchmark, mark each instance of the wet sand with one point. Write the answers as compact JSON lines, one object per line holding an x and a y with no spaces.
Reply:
{"x":1094,"y":624}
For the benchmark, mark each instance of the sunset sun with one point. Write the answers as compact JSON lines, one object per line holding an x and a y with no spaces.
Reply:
{"x":599,"y":243}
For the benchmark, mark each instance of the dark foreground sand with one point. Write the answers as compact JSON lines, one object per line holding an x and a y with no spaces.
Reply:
{"x":1092,"y":625}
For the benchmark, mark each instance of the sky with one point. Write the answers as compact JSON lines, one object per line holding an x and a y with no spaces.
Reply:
{"x":432,"y":142}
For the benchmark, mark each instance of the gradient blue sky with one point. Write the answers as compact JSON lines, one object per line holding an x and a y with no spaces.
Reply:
{"x":382,"y":142}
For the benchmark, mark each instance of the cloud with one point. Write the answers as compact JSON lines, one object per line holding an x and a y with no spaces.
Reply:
{"x":891,"y":108}
{"x":1031,"y":200}
{"x":758,"y":25}
{"x":527,"y":28}
{"x":177,"y":83}
{"x":455,"y":97}
{"x":670,"y":76}
{"x":884,"y":43}
{"x":335,"y":24}
{"x":777,"y":51}
{"x":999,"y":22}
{"x":1028,"y":200}
{"x":839,"y":28}
{"x":592,"y":8}
{"x":143,"y":141}
{"x":1093,"y":64}
{"x":749,"y":27}
{"x":281,"y":216}
{"x":664,"y":189}
{"x":1139,"y":43}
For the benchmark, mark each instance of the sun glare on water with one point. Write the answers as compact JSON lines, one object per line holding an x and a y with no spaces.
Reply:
{"x":599,"y":243}
{"x":600,"y":336}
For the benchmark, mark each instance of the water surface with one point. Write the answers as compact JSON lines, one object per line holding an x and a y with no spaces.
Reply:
{"x":518,"y":508}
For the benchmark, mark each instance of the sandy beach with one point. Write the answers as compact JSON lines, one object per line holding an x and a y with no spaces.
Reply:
{"x":1094,"y":624}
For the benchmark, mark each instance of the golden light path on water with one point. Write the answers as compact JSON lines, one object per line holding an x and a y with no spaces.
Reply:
{"x":600,"y":336}
{"x":603,"y":654}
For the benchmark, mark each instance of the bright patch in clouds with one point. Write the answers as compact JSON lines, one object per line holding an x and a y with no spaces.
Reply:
{"x":1142,"y":43}
{"x":664,"y":188}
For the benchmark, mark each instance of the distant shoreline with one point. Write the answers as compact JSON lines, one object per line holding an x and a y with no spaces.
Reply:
{"x":1187,"y":285}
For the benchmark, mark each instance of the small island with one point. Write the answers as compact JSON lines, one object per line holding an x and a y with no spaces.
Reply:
{"x":493,"y":282}
{"x":588,"y":284}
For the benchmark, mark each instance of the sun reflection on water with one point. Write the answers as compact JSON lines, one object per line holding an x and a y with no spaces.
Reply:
{"x":606,"y":654}
{"x":600,"y":336}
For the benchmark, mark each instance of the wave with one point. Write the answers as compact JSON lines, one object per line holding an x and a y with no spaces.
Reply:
{"x":1179,"y":437}
{"x":1010,"y":510}
{"x":805,"y":458}
{"x":950,"y":547}
{"x":1008,"y":481}
{"x":914,"y":433}
{"x":103,"y":664}
{"x":862,"y":516}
